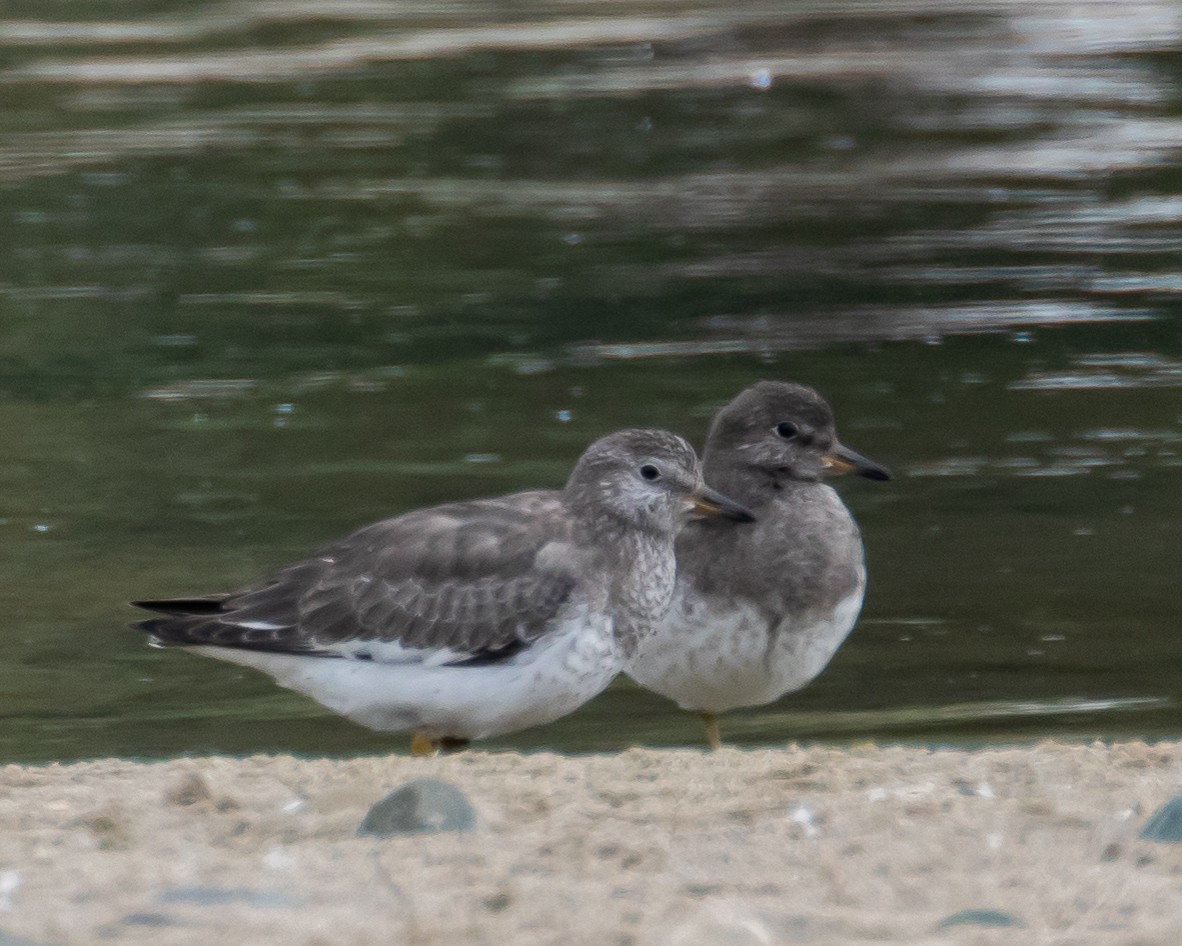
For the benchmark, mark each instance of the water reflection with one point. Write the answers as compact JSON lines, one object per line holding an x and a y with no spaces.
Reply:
{"x":1116,"y":370}
{"x":271,"y":271}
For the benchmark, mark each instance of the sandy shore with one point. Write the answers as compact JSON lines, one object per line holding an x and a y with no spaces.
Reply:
{"x":677,"y":847}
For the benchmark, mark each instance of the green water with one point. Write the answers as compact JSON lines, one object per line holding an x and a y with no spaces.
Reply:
{"x":267,"y":274}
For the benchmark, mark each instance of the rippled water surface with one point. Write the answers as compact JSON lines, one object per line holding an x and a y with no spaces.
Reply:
{"x":269,"y":271}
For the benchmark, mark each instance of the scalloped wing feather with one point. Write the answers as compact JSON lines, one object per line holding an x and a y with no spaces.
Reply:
{"x":461,"y":581}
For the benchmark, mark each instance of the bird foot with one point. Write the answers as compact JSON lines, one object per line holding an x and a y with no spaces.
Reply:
{"x":423,"y":745}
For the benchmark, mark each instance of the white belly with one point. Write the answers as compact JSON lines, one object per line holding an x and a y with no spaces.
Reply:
{"x":545,"y":681}
{"x":709,"y":659}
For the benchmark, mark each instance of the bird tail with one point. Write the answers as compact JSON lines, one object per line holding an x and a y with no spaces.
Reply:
{"x":210,"y":604}
{"x":184,"y":617}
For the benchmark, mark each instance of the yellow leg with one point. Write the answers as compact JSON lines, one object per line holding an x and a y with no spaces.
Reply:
{"x":422,"y":745}
{"x":713,"y":736}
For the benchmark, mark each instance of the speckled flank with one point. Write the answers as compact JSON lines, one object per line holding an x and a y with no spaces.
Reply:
{"x":537,"y":685}
{"x":725,"y":658}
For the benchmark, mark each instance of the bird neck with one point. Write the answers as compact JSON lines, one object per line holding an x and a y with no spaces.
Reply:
{"x":641,"y":568}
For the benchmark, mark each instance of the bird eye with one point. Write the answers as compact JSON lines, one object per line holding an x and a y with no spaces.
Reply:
{"x":787,"y":430}
{"x":650,"y":472}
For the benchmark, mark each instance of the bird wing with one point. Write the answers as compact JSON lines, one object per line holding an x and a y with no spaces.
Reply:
{"x":456,"y":583}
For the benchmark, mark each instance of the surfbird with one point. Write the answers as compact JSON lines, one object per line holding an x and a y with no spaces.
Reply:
{"x":759,"y":611}
{"x":471,"y":619}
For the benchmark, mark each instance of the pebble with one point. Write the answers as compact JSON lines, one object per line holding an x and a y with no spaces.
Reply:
{"x":1166,"y":823}
{"x":148,"y":919}
{"x":189,"y":790}
{"x":424,"y":806}
{"x":978,"y":918}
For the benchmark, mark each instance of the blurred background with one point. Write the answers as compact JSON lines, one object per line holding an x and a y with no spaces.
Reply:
{"x":273,"y":270}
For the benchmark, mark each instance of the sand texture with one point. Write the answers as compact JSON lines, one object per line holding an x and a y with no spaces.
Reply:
{"x":679,"y":847}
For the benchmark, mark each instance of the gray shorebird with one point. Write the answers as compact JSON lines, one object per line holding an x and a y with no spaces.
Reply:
{"x":759,"y":611}
{"x":470,"y":619}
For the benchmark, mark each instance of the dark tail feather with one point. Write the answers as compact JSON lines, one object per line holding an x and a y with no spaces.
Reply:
{"x":206,"y":629}
{"x":183,"y":606}
{"x":168,"y":631}
{"x":188,"y":620}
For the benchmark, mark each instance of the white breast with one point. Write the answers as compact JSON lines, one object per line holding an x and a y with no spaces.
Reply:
{"x":710,"y":659}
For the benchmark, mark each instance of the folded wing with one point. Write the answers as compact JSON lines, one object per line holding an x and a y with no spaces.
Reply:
{"x":456,"y":583}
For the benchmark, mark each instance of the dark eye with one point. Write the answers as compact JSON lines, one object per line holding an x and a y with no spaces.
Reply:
{"x":787,"y":430}
{"x":650,"y":472}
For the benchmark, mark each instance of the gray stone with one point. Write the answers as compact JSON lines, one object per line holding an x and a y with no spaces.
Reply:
{"x":978,"y":918}
{"x":148,"y":919}
{"x":424,"y":806}
{"x":1166,"y":823}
